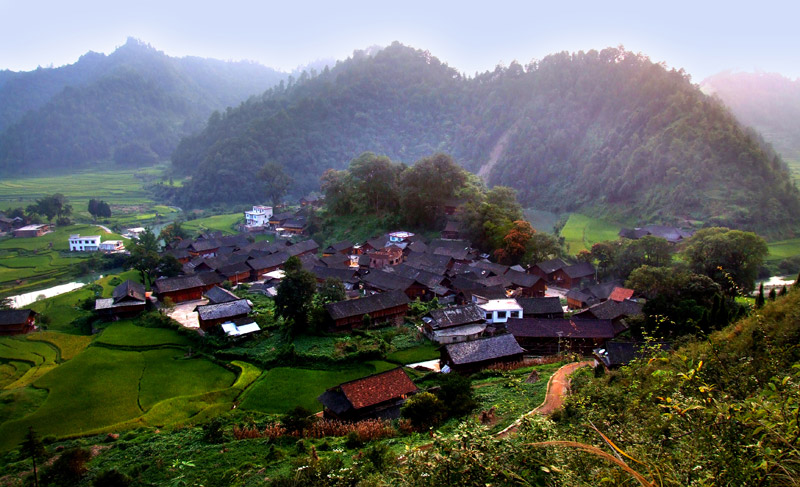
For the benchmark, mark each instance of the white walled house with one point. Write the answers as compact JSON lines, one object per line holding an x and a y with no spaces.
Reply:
{"x":258,"y":217}
{"x":112,"y":246}
{"x":500,"y":310}
{"x":84,"y":244}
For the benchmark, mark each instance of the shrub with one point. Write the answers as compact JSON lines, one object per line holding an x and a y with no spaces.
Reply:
{"x":424,"y":410}
{"x":212,"y":431}
{"x":298,"y":419}
{"x":68,"y":469}
{"x":112,"y":478}
{"x":455,"y":393}
{"x":353,"y":441}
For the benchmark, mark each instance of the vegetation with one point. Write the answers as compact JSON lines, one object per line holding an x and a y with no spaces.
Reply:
{"x":131,"y":107}
{"x":572,"y":132}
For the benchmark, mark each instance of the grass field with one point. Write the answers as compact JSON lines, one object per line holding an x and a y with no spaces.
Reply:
{"x":126,"y":334}
{"x":28,"y":263}
{"x":429,"y":351}
{"x":581,"y":232}
{"x":102,"y":388}
{"x":783,"y":249}
{"x":283,"y":388}
{"x":222,"y":223}
{"x":118,"y":187}
{"x":68,"y":345}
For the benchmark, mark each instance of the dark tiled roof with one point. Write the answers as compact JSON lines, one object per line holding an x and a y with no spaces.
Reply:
{"x":611,"y":310}
{"x":209,"y":278}
{"x":621,"y":353}
{"x":204,"y":245}
{"x":302,"y":247}
{"x":344,"y":275}
{"x":584,"y":269}
{"x":537,"y":306}
{"x":494,"y":292}
{"x":551,"y":265}
{"x":178,"y":253}
{"x":218,"y":295}
{"x":484,"y":349}
{"x":180,"y":283}
{"x":456,"y":254}
{"x":339,"y":246}
{"x":456,"y":316}
{"x":521,"y":279}
{"x":237,"y":241}
{"x":496,"y":269}
{"x":281,"y":217}
{"x":129,"y":289}
{"x":378,"y":388}
{"x":14,"y":316}
{"x":602,"y":291}
{"x":417,"y":246}
{"x":269,"y":261}
{"x":366,"y":305}
{"x":580,"y":296}
{"x":416,"y":259}
{"x":229,"y":309}
{"x":234,"y":269}
{"x":560,"y":327}
{"x":296,"y":223}
{"x":427,"y":279}
{"x":387,"y":281}
{"x":336,"y":260}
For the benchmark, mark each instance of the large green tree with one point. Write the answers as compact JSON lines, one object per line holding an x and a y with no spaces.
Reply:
{"x":730,"y":257}
{"x":426,"y":186}
{"x":295,"y":294}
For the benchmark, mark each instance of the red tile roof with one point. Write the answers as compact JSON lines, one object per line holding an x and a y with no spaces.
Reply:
{"x":620,"y":294}
{"x":378,"y":388}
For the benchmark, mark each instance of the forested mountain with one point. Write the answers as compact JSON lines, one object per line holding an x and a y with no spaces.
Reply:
{"x":600,"y":132}
{"x":136,"y":102}
{"x":768,"y":102}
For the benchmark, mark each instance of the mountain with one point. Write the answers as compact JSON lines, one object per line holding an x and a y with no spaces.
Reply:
{"x":768,"y":102}
{"x":608,"y":133}
{"x":136,"y":102}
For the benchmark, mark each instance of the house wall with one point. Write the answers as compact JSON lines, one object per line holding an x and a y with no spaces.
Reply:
{"x":183,"y":295}
{"x":395,"y":315}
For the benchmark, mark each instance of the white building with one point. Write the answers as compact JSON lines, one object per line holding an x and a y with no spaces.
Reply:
{"x":84,"y":244}
{"x":500,"y":310}
{"x":258,"y":217}
{"x":112,"y":246}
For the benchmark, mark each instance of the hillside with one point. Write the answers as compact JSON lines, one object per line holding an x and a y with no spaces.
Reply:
{"x":603,"y":133}
{"x":136,"y":100}
{"x":768,"y":102}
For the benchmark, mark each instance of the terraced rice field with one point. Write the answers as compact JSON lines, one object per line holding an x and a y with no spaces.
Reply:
{"x":222,"y":223}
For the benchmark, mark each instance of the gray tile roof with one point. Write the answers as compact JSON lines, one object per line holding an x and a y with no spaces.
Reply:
{"x":537,"y":306}
{"x":366,"y":305}
{"x":456,"y":316}
{"x":223,"y":310}
{"x":484,"y":349}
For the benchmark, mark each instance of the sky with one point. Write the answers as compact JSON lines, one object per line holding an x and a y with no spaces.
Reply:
{"x":702,"y":37}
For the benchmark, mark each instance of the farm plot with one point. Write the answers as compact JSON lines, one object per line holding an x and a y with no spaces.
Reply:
{"x":283,"y":388}
{"x":581,"y":232}
{"x":126,"y":334}
{"x":783,"y":249}
{"x":222,"y":223}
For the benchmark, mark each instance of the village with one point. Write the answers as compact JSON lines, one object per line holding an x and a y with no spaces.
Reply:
{"x":482,"y":314}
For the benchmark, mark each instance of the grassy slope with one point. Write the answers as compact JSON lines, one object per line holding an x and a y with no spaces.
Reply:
{"x":581,"y":232}
{"x":222,"y":223}
{"x":282,"y":388}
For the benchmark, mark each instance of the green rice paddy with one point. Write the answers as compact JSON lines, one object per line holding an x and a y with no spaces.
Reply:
{"x":223,"y":223}
{"x":581,"y":232}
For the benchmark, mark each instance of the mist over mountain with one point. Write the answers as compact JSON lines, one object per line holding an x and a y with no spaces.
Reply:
{"x":768,"y":102}
{"x":608,"y":133}
{"x":136,"y":102}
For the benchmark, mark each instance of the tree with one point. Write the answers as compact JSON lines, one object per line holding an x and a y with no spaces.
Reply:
{"x":760,"y":296}
{"x":169,"y":266}
{"x":772,"y":294}
{"x":51,"y":206}
{"x":376,"y":180}
{"x":455,"y":392}
{"x":424,"y":410}
{"x":332,"y":291}
{"x":144,"y":255}
{"x":99,"y":208}
{"x":276,"y":181}
{"x":720,"y":253}
{"x":295,"y":293}
{"x":69,"y":468}
{"x":426,"y":186}
{"x":516,"y":243}
{"x":338,"y":189}
{"x":173,"y":232}
{"x":32,"y":448}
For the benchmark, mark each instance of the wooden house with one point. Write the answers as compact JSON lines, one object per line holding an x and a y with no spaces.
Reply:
{"x":218,"y":295}
{"x":379,"y":396}
{"x":209,"y":315}
{"x":471,"y":356}
{"x":546,"y":270}
{"x":181,"y":288}
{"x":278,"y":219}
{"x":388,"y":256}
{"x":389,"y":307}
{"x":526,"y":285}
{"x":541,"y":307}
{"x":264,"y":265}
{"x":204,"y":248}
{"x":345,"y":247}
{"x":30,"y":231}
{"x":17,"y":321}
{"x":615,"y":311}
{"x":452,"y":230}
{"x":577,"y":299}
{"x":571,"y":276}
{"x":553,"y":336}
{"x":382,"y":281}
{"x":294,"y":226}
{"x":127,"y":300}
{"x":235,"y":273}
{"x":306,"y":247}
{"x":454,"y":324}
{"x":347,"y":276}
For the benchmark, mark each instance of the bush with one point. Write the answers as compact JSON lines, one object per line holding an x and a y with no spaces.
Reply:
{"x":298,"y":419}
{"x":424,"y":410}
{"x":353,"y":441}
{"x":68,"y":469}
{"x":212,"y":431}
{"x":455,"y":393}
{"x":112,"y":478}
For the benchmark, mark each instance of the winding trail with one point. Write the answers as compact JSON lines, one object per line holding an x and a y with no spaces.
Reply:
{"x":557,"y":389}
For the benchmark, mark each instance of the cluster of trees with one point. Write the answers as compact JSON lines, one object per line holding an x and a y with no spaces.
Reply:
{"x":131,"y":106}
{"x":99,"y":209}
{"x":599,"y":129}
{"x":300,"y":303}
{"x":144,"y":258}
{"x":695,"y":293}
{"x":49,"y":207}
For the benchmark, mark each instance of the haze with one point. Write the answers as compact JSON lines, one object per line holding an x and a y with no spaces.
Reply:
{"x":701,"y":37}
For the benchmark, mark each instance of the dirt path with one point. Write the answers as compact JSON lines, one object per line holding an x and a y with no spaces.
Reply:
{"x":557,"y":389}
{"x":105,"y":228}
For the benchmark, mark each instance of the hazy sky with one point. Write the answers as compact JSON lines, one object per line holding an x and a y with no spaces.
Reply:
{"x":700,"y":36}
